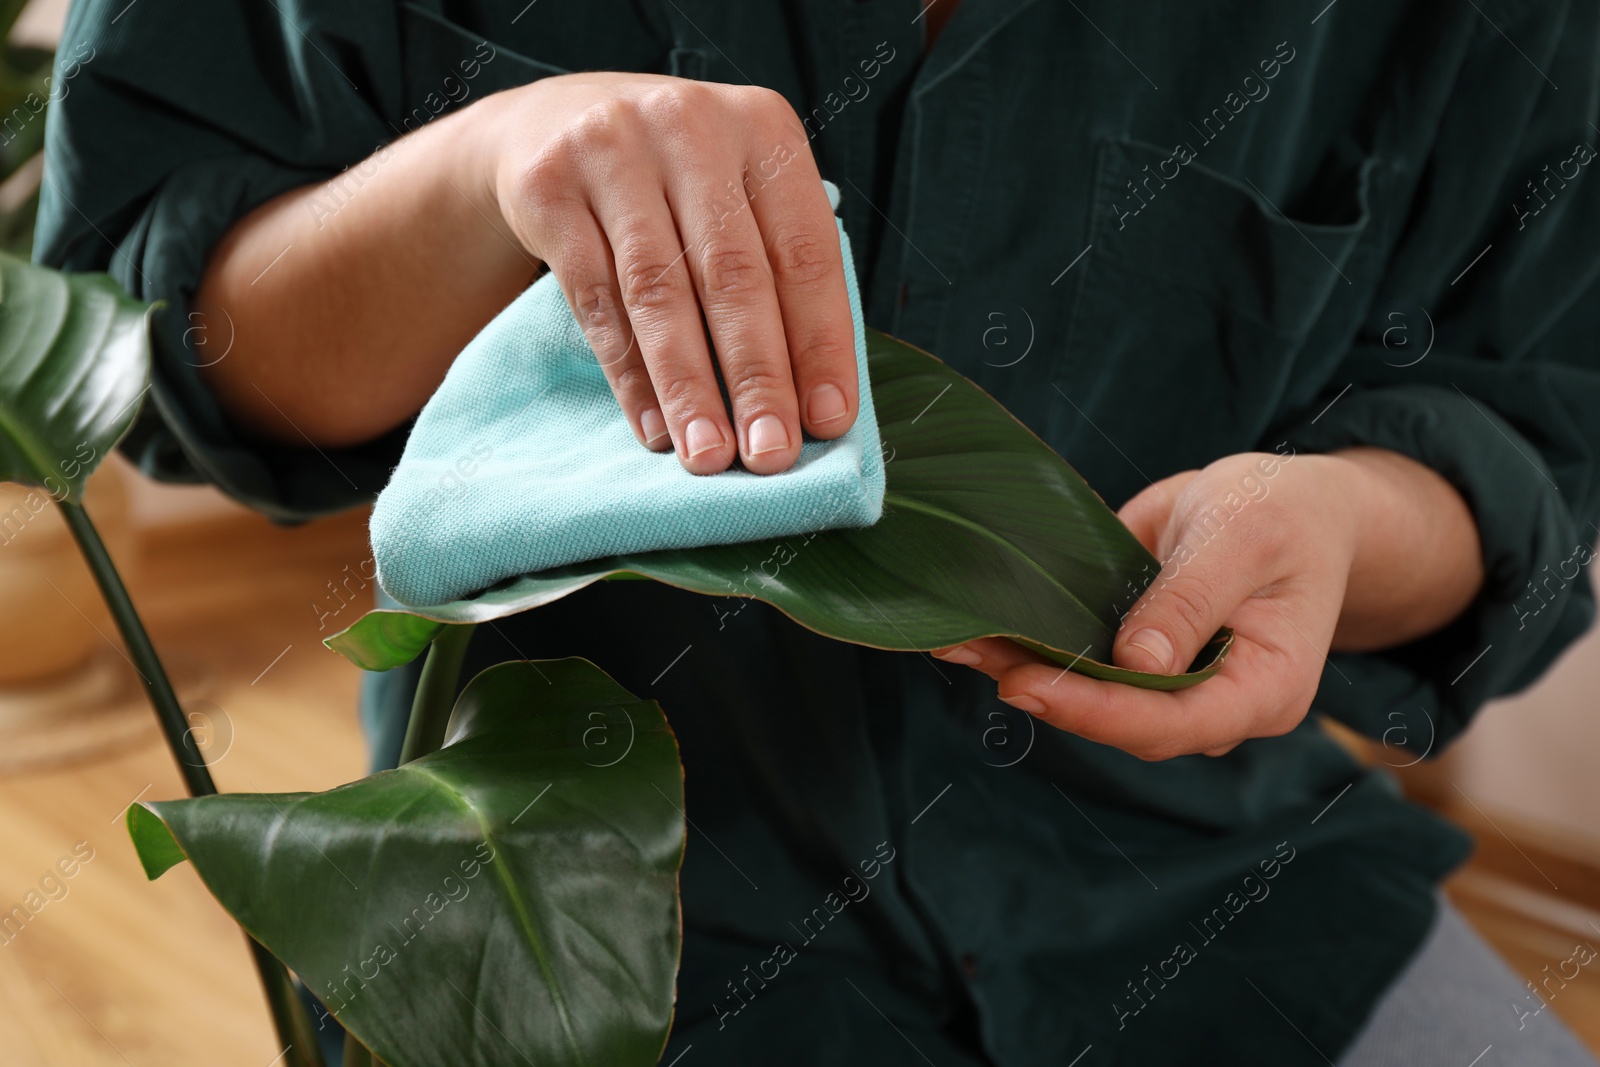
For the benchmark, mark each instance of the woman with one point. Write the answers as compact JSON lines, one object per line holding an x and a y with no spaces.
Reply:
{"x":1311,"y":297}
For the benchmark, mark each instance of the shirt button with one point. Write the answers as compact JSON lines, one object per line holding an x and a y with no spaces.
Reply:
{"x":969,"y":966}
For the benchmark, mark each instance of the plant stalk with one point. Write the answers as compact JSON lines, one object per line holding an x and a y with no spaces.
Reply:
{"x":288,"y":1014}
{"x":289,"y":1018}
{"x":436,"y":692}
{"x":174,"y":724}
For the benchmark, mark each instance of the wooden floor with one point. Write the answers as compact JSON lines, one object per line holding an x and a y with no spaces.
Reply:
{"x":1534,"y":895}
{"x":122,"y":972}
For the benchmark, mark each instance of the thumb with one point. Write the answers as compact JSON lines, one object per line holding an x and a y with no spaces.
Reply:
{"x":1190,"y":599}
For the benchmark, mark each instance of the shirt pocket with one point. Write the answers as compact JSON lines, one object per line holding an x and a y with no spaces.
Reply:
{"x":1196,"y":305}
{"x":448,"y":65}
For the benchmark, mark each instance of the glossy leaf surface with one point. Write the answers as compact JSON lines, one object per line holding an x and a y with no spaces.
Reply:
{"x":985,"y":532}
{"x":74,"y":363}
{"x":509,"y":898}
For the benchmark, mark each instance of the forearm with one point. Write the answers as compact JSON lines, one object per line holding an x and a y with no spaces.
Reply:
{"x":1417,"y":562}
{"x":340,"y":305}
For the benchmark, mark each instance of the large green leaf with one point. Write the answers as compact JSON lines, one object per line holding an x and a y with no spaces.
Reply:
{"x":509,"y":898}
{"x":985,"y":533}
{"x":74,"y":364}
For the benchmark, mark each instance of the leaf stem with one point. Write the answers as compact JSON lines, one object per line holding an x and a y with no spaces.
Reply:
{"x":174,"y":724}
{"x":289,"y":1016}
{"x":436,"y":692}
{"x":288,"y":1013}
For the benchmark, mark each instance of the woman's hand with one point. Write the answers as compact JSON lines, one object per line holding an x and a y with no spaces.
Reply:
{"x":655,"y":199}
{"x":662,"y":205}
{"x":1355,"y":550}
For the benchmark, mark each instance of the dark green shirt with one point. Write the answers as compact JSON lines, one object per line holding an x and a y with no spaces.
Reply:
{"x":1159,"y":234}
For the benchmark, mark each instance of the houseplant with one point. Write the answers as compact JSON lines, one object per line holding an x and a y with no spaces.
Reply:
{"x":509,"y":893}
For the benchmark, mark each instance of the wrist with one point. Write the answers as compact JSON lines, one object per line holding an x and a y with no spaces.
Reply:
{"x":1363,"y":494}
{"x":468,"y":147}
{"x":1416,"y":562}
{"x":1343,"y":505}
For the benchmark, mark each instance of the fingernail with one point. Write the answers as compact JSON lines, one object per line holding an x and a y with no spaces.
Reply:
{"x":1154,"y":642}
{"x":826,"y":404}
{"x":652,"y":425}
{"x":960,"y":654}
{"x":1023,"y":702}
{"x":767,"y":434}
{"x":701,"y":437}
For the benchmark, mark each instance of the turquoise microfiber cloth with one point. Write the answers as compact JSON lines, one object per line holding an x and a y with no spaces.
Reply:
{"x":523,"y":461}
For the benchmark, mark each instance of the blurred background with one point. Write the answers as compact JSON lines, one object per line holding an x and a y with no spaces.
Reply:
{"x":111,"y":969}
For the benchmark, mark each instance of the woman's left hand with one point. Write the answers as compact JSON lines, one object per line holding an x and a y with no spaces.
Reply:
{"x":1354,"y":550}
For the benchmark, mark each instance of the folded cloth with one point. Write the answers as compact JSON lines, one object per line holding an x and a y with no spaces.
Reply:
{"x":523,"y":461}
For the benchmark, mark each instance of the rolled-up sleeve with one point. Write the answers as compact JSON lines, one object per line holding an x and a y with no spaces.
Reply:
{"x":1495,"y":281}
{"x":172,"y":121}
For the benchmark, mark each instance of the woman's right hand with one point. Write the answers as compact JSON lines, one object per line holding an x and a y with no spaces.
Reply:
{"x":657,"y":200}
